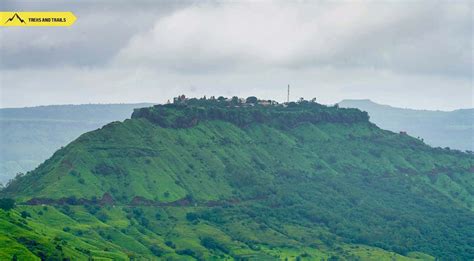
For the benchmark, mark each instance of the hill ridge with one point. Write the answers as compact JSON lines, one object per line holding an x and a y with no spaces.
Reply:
{"x":323,"y":179}
{"x":451,"y":129}
{"x":185,"y":112}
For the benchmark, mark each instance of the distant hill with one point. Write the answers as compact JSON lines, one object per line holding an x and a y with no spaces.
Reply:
{"x":30,"y":135}
{"x":454,"y":129}
{"x":227,"y":180}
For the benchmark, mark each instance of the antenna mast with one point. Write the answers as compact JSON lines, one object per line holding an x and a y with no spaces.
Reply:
{"x":288,"y":95}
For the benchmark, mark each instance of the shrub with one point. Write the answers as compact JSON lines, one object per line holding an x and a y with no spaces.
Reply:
{"x":25,"y":214}
{"x":102,"y":216}
{"x":170,"y":244}
{"x":186,"y":252}
{"x":92,"y":209}
{"x":66,"y":209}
{"x":144,"y":222}
{"x":158,"y":216}
{"x":137,"y":212}
{"x":72,"y":200}
{"x":212,"y":244}
{"x":156,"y":250}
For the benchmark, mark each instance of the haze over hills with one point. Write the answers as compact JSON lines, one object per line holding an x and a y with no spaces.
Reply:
{"x":30,"y":135}
{"x":454,"y":129}
{"x":227,"y":179}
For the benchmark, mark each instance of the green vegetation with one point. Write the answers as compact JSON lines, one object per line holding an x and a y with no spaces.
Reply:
{"x":190,"y":112}
{"x":31,"y":135}
{"x":229,"y":179}
{"x":7,"y":203}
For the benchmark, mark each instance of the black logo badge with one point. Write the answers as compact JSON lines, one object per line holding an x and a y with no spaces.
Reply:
{"x":15,"y":16}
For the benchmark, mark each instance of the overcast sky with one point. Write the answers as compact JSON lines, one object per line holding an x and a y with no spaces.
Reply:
{"x":415,"y":54}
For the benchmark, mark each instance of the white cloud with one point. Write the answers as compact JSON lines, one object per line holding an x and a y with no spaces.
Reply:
{"x":100,"y":31}
{"x":414,"y":54}
{"x":408,"y":36}
{"x":330,"y":85}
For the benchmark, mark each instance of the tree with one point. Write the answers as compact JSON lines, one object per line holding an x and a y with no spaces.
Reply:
{"x":191,"y":216}
{"x":251,"y":99}
{"x":235,"y":100}
{"x":7,"y":203}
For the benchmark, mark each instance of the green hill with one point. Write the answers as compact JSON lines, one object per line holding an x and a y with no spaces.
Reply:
{"x":452,"y":129}
{"x":221,"y":179}
{"x":28,"y":136}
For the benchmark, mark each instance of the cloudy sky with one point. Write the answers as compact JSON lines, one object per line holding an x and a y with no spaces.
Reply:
{"x":415,"y":54}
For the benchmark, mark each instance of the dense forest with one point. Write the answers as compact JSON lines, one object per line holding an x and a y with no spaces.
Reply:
{"x":246,"y":179}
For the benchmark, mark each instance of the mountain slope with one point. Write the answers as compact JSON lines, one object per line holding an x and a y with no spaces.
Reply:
{"x":219,"y":179}
{"x":28,"y":136}
{"x":452,"y":129}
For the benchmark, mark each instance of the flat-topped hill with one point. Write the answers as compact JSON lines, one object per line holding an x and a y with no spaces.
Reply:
{"x":255,"y":176}
{"x":185,"y":113}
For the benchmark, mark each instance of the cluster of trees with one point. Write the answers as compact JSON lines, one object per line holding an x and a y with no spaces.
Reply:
{"x":107,"y":169}
{"x":7,"y":203}
{"x":213,"y":244}
{"x":185,"y":115}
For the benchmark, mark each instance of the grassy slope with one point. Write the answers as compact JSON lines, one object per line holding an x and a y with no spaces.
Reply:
{"x":30,"y":135}
{"x":347,"y":185}
{"x":147,"y":160}
{"x":80,"y":235}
